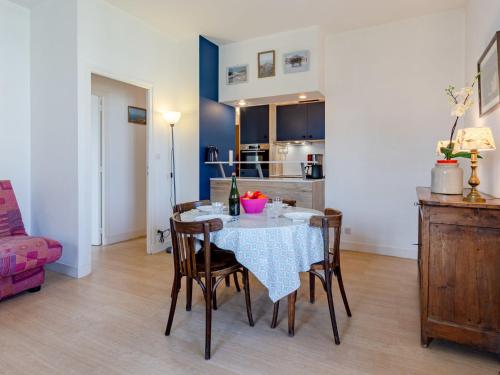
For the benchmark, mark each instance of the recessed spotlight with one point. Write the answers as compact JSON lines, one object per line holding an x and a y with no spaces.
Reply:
{"x":242,"y":102}
{"x":302,"y":96}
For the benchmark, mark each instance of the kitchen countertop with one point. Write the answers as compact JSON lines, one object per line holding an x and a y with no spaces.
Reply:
{"x":271,"y":179}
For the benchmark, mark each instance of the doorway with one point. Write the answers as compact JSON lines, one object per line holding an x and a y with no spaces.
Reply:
{"x":118,"y":161}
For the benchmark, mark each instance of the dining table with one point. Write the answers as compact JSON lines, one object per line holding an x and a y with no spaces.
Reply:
{"x":274,"y":248}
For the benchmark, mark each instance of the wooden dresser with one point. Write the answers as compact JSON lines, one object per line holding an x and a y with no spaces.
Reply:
{"x":459,"y":270}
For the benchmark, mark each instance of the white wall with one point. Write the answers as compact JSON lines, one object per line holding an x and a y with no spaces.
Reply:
{"x":385,"y":111}
{"x":482,"y":21}
{"x":54,"y":137}
{"x":15,"y":103}
{"x":245,"y":52}
{"x":71,"y":39}
{"x":115,"y":44}
{"x":124,"y":160}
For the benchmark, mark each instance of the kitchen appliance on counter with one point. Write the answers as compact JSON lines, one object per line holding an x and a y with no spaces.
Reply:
{"x":314,"y":167}
{"x":211,"y":154}
{"x":254,"y":153}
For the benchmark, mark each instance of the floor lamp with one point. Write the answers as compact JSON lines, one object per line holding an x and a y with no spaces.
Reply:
{"x":172,"y":118}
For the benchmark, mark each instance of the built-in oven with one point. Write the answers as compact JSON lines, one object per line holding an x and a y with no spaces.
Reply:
{"x":251,"y":154}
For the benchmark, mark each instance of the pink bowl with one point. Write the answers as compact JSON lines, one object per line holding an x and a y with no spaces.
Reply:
{"x":253,"y":206}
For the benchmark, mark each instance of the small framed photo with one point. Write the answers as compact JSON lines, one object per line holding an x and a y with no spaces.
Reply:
{"x":489,"y":80}
{"x":267,"y":64}
{"x":137,"y":115}
{"x":237,"y":74}
{"x":296,"y":62}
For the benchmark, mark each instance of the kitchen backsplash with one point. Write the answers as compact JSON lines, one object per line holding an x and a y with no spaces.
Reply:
{"x":295,"y":152}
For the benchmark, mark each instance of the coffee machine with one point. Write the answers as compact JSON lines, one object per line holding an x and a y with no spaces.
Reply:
{"x":314,"y":167}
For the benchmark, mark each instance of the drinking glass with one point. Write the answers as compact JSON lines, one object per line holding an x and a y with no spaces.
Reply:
{"x":217,"y":208}
{"x":278,"y":202}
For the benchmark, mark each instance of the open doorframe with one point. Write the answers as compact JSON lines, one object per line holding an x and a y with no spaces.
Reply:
{"x":150,"y":211}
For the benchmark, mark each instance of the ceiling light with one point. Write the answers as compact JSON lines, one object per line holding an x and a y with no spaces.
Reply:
{"x":242,"y":102}
{"x":302,"y":96}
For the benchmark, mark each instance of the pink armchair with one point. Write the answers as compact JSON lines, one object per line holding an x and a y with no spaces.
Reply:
{"x":22,"y":257}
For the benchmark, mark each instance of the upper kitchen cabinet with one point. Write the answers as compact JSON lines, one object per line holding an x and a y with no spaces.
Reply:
{"x":254,"y":124}
{"x":300,"y":122}
{"x":291,"y":122}
{"x":316,"y":120}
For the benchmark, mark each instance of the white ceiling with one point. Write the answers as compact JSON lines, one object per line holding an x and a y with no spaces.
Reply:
{"x":235,"y":20}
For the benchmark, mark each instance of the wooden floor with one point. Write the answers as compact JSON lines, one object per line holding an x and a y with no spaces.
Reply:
{"x":112,"y":322}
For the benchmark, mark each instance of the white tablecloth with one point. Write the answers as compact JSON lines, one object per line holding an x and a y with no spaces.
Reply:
{"x":274,"y":250}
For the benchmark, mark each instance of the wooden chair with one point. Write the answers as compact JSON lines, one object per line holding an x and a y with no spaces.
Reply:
{"x":323,"y":270}
{"x":207,"y":268}
{"x":290,"y":202}
{"x":188,"y":206}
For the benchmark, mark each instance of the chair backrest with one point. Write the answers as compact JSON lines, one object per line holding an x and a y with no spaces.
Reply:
{"x":188,"y":206}
{"x":11,"y":222}
{"x":184,"y":242}
{"x":331,"y":220}
{"x":290,"y":202}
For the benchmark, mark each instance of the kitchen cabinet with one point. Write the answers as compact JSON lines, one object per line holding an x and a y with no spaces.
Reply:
{"x":300,"y":122}
{"x":254,"y":124}
{"x":291,"y":122}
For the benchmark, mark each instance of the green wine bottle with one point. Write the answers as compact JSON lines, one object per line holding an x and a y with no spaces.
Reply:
{"x":234,"y":198}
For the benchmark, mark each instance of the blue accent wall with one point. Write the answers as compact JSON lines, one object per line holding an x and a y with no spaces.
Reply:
{"x":217,"y":121}
{"x":209,"y":69}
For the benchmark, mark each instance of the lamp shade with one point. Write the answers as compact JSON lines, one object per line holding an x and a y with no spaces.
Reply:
{"x":172,"y":117}
{"x":480,"y":139}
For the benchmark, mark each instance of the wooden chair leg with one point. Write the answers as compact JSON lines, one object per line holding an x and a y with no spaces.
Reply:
{"x":292,"y":297}
{"x":246,"y":286}
{"x":214,"y":296}
{"x":228,"y":281}
{"x":329,"y":296}
{"x":236,"y":283}
{"x":208,"y":320}
{"x":276,"y":308}
{"x":342,"y":292}
{"x":189,"y":293}
{"x":173,"y":303}
{"x":311,"y":288}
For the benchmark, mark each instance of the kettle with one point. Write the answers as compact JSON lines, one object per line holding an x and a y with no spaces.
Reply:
{"x":211,"y":153}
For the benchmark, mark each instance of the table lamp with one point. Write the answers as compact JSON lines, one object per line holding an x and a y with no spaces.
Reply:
{"x":474,"y":140}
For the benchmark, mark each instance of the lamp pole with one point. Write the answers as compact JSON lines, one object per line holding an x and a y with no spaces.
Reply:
{"x":172,"y":118}
{"x":172,"y":167}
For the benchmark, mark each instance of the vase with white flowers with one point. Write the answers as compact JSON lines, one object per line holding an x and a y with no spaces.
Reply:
{"x":447,"y":176}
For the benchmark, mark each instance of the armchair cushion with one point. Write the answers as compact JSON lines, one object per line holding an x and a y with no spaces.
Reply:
{"x":22,"y":253}
{"x":11,"y":223}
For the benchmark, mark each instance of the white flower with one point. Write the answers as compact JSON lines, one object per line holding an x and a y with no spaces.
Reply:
{"x":459,"y":110}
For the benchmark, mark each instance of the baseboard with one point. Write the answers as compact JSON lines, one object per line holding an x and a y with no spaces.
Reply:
{"x":379,"y":249}
{"x":159,"y":247}
{"x":109,"y":240}
{"x":75,"y":272}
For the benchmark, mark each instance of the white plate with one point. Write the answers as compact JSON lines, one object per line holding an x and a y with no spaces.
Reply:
{"x":299,"y":215}
{"x":224,"y":218}
{"x":205,"y":208}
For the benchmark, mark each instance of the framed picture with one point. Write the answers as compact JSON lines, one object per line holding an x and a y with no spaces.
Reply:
{"x":296,"y":62}
{"x":137,"y":115}
{"x":237,"y":74}
{"x":489,"y":81}
{"x":266,"y":62}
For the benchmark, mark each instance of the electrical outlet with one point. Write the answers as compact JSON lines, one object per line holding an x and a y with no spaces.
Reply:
{"x":347,"y":230}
